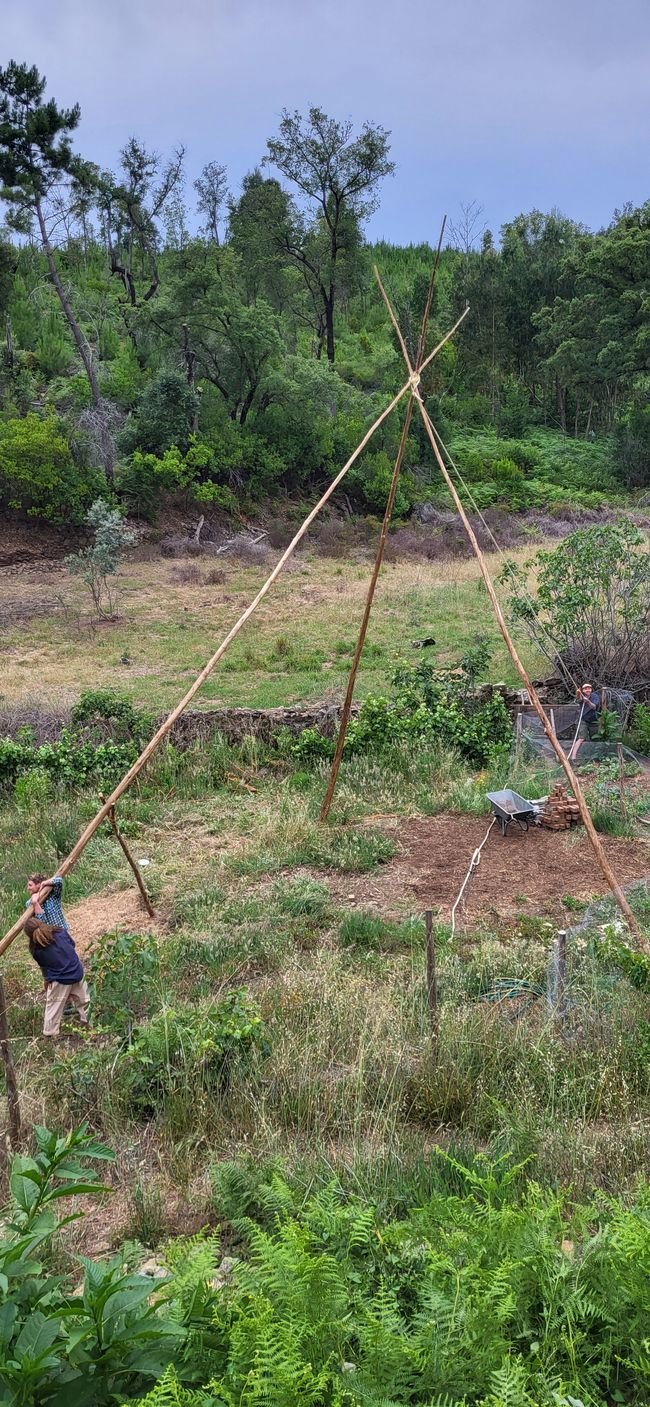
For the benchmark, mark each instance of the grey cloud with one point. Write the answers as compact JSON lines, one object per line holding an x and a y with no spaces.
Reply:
{"x":517,"y":102}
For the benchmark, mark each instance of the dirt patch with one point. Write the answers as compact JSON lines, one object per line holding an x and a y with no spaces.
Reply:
{"x":103,"y":913}
{"x":522,"y":872}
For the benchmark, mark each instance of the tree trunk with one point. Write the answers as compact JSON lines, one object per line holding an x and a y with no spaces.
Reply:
{"x":107,"y":449}
{"x":329,"y":324}
{"x":561,"y":406}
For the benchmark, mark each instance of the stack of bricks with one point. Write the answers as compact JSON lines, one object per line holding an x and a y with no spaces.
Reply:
{"x":560,"y":812}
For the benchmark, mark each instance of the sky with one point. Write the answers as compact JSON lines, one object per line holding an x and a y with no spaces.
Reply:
{"x":515,"y":104}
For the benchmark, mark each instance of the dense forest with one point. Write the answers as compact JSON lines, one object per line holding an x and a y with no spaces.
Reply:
{"x":162,"y":343}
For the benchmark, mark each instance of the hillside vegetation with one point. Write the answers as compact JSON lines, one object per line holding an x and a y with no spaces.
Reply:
{"x":335,"y":1135}
{"x":227,"y":348}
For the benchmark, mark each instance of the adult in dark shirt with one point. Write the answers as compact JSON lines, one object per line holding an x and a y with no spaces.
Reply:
{"x":54,"y":951}
{"x":590,"y":703}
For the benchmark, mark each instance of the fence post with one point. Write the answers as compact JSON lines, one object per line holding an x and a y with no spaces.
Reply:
{"x":432,"y":983}
{"x":13,"y":1102}
{"x":621,"y":778}
{"x":560,"y":977}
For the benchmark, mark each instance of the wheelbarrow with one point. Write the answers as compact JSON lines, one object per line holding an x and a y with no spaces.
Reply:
{"x":508,"y":806}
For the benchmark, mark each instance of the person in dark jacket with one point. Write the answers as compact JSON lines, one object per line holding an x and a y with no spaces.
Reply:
{"x":54,"y":951}
{"x":590,"y":701}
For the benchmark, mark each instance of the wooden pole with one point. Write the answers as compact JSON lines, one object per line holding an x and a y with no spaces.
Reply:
{"x":13,"y":1101}
{"x":135,"y":867}
{"x":621,"y":778}
{"x":596,"y":842}
{"x":169,"y":722}
{"x":432,"y":983}
{"x":349,"y":693}
{"x":560,"y":977}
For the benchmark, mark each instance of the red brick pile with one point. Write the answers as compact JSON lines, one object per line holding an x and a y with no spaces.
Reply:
{"x":560,"y":812}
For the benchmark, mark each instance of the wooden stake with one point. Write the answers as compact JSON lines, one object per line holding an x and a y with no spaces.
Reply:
{"x":169,"y":722}
{"x":347,"y":704}
{"x":596,"y":843}
{"x":13,"y":1101}
{"x":560,"y":977}
{"x":621,"y":778}
{"x":134,"y":866}
{"x":432,"y":983}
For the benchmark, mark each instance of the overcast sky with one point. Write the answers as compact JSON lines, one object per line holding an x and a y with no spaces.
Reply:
{"x":514,"y":103}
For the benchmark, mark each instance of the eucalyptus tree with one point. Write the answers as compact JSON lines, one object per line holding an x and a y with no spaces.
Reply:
{"x":337,"y":177}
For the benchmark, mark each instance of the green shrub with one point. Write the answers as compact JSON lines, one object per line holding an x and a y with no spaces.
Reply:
{"x":125,"y":979}
{"x":188,"y":1049}
{"x":32,"y":789}
{"x":95,"y":564}
{"x":641,"y":728}
{"x":39,"y":474}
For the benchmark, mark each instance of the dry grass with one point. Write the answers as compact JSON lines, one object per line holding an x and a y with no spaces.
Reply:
{"x":169,"y":625}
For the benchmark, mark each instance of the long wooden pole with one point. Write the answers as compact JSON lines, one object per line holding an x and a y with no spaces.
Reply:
{"x":596,"y":842}
{"x":13,"y":1100}
{"x":135,"y":868}
{"x":379,"y":555}
{"x":169,"y":722}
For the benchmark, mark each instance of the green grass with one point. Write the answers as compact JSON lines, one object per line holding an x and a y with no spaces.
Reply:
{"x":296,"y":648}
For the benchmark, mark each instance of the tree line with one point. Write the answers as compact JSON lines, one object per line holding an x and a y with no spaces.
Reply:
{"x":239,"y":349}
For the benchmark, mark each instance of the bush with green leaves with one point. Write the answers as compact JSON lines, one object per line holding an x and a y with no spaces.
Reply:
{"x":497,"y":1294}
{"x":72,"y":1348}
{"x":164,"y":416}
{"x":190,"y":1049}
{"x":125,"y":973}
{"x":95,"y":564}
{"x":426,"y":704}
{"x":67,"y":761}
{"x":144,"y":479}
{"x":641,"y":728}
{"x":590,"y":611}
{"x":39,"y":474}
{"x":102,"y":713}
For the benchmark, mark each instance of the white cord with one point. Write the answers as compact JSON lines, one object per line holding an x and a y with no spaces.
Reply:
{"x":474,"y":864}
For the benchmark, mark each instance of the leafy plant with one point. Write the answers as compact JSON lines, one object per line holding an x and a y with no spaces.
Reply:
{"x":61,"y":1348}
{"x":97,"y":563}
{"x":125,"y":979}
{"x":591,"y":609}
{"x":189,"y":1048}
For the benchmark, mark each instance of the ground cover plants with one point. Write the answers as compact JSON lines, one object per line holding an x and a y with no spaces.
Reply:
{"x":263,"y":1058}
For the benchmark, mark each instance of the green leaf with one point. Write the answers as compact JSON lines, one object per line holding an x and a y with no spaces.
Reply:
{"x":36,"y":1338}
{"x":26,"y":1182}
{"x":8,"y":1313}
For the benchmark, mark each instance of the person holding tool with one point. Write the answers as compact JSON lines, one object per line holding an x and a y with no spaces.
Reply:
{"x":590,"y":706}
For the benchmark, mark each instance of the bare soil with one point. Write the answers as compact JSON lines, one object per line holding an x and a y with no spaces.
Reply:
{"x":103,"y":913}
{"x":521,"y":872}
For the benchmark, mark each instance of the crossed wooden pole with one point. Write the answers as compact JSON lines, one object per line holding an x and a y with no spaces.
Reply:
{"x":410,"y":387}
{"x":435,"y":442}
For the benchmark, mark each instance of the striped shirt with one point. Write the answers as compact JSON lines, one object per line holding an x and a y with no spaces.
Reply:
{"x":52,"y":911}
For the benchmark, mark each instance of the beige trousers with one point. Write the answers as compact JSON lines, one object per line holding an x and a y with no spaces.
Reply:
{"x":55,"y":1000}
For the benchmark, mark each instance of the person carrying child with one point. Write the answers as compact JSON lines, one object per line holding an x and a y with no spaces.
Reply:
{"x":52,"y":947}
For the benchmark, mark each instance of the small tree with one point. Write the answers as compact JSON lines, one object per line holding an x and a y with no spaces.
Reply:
{"x":590,"y":613}
{"x":102,"y":560}
{"x":337,"y":177}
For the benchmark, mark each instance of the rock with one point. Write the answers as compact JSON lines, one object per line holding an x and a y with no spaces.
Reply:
{"x":154,"y":1268}
{"x":224,"y":1272}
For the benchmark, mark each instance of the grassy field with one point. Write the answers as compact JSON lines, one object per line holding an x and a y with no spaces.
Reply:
{"x":296,"y":648}
{"x":460,"y":1220}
